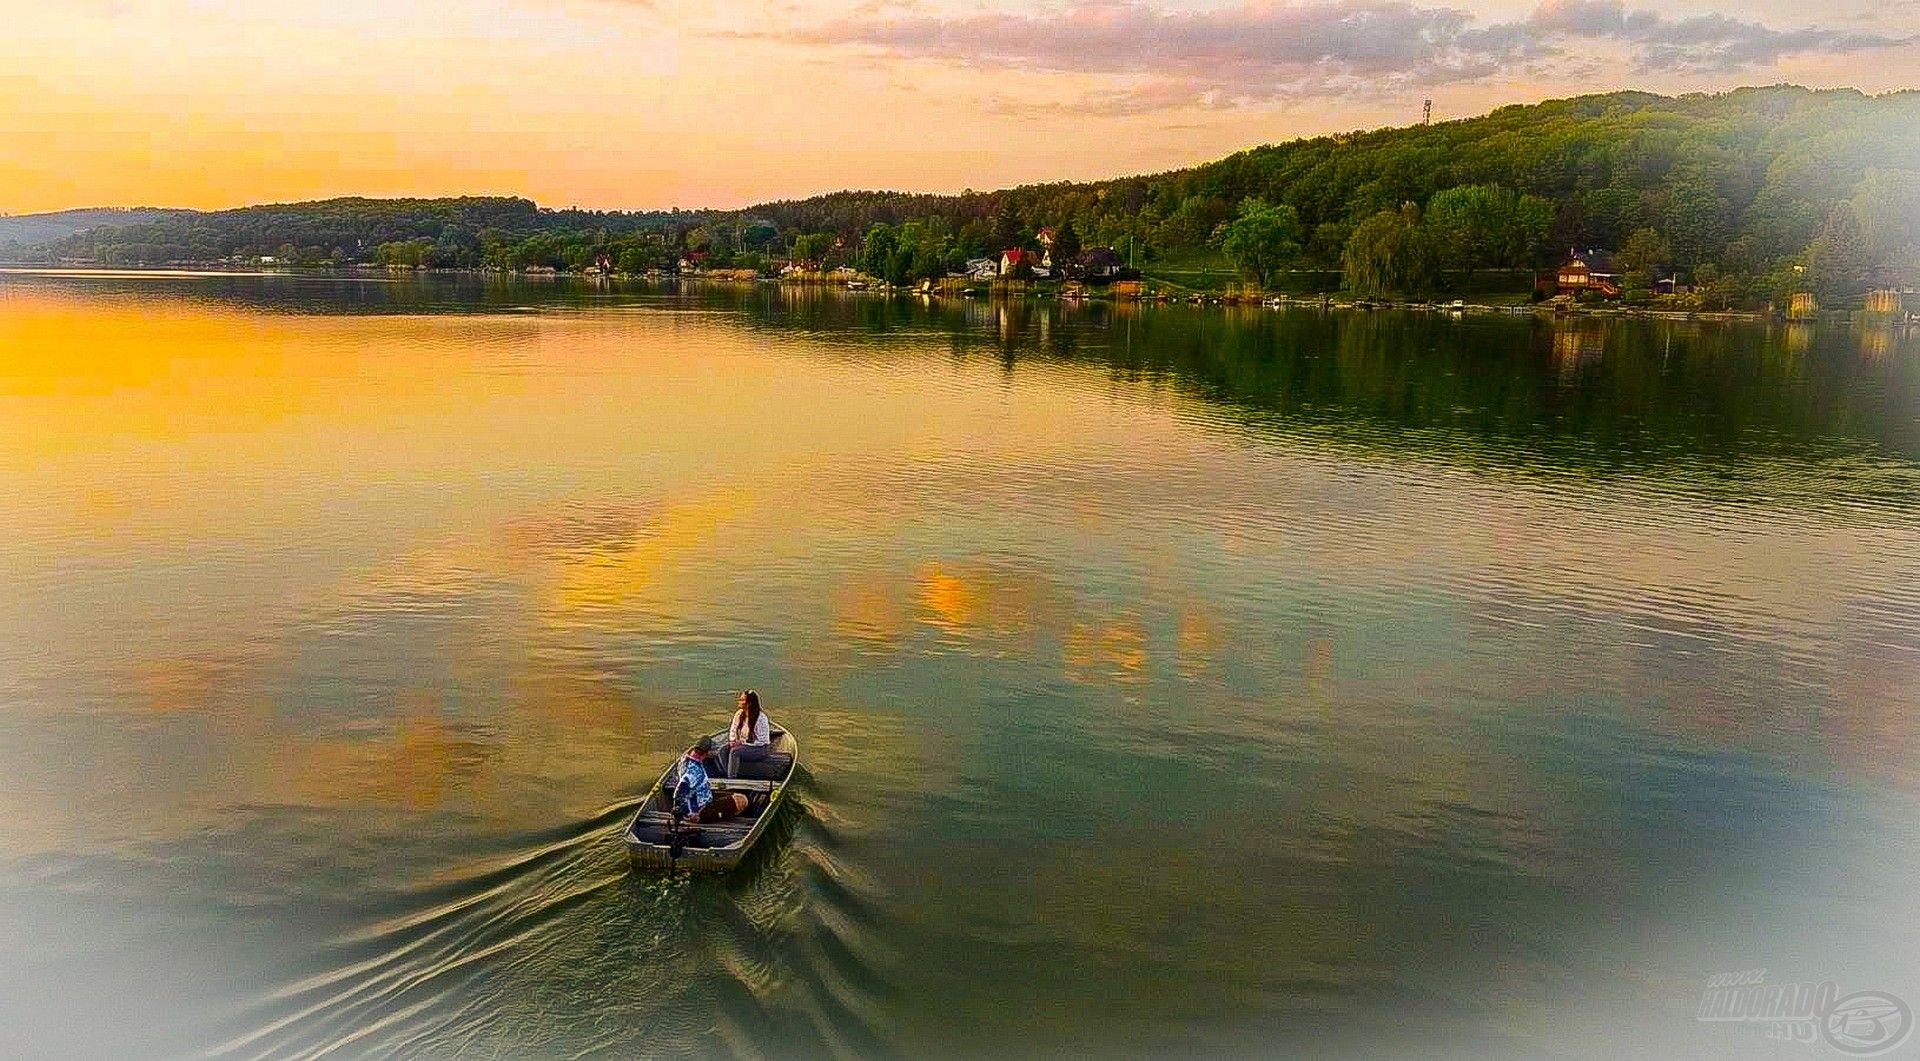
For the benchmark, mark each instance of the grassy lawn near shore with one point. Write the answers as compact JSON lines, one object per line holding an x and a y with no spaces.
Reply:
{"x":1199,"y":269}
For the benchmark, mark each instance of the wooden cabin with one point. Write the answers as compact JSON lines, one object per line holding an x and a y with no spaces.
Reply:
{"x":1588,"y":271}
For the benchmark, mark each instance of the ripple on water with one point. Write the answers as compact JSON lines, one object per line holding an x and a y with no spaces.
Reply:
{"x":794,"y":940}
{"x":388,"y":973}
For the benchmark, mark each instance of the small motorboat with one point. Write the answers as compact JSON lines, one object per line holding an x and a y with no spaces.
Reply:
{"x":656,"y":841}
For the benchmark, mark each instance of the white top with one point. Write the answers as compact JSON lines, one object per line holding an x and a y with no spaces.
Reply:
{"x":762,"y":732}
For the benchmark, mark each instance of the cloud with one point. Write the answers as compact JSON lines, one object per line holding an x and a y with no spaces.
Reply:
{"x":1710,"y":42}
{"x":1262,"y":52}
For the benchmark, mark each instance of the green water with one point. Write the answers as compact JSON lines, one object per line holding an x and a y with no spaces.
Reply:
{"x":1169,"y":680}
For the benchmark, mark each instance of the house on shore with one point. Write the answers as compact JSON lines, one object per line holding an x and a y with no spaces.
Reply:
{"x":1587,"y":271}
{"x":1670,"y":281}
{"x":1100,"y":264}
{"x":1013,"y":258}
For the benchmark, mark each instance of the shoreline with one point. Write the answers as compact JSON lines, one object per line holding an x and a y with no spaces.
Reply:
{"x":997,"y":290}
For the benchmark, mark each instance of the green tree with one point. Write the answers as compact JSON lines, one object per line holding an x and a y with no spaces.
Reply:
{"x":1695,"y":216}
{"x":1887,"y":204}
{"x":758,"y":234}
{"x":876,"y":250}
{"x":972,"y":239}
{"x":407,"y":253}
{"x":1193,"y":222}
{"x":1390,"y":253}
{"x":1837,"y":259}
{"x":1329,"y":241}
{"x":1066,"y":244}
{"x":918,"y":252}
{"x":1485,"y":226}
{"x":812,"y":246}
{"x":1262,"y":239}
{"x":1644,"y":253}
{"x":1006,"y":231}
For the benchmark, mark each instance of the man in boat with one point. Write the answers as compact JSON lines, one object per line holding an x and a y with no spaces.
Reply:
{"x":693,"y":795}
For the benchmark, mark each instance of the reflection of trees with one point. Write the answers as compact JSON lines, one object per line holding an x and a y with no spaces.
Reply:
{"x":1595,"y":395}
{"x":1646,"y":393}
{"x":1587,"y":395}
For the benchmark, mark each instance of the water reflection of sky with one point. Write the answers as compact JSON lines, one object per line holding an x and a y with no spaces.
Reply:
{"x":1117,"y":701}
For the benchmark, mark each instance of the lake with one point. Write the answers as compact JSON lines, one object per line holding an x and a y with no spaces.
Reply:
{"x":1169,"y":680}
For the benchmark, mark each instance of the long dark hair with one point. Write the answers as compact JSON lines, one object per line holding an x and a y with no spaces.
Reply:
{"x":753,"y":711}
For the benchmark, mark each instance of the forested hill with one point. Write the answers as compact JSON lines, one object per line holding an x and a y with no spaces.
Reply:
{"x":1742,"y":182}
{"x":1762,"y":162}
{"x":30,"y":230}
{"x":336,"y":231}
{"x":1741,"y":179}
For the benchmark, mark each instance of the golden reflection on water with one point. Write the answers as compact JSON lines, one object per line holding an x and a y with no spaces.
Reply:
{"x":191,"y":425}
{"x":990,"y":602}
{"x":1196,"y":641}
{"x":125,"y":371}
{"x":641,"y":569}
{"x":869,"y":612}
{"x":185,"y":684}
{"x":1113,"y":649}
{"x":948,"y":601}
{"x":414,"y":761}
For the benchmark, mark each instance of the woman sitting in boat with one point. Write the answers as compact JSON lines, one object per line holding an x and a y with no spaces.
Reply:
{"x":751,"y":736}
{"x":693,"y":796}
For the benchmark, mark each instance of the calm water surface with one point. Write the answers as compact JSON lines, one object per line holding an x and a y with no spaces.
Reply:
{"x":1169,"y":680}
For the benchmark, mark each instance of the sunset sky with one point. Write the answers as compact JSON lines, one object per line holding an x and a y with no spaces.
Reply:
{"x":656,"y":103}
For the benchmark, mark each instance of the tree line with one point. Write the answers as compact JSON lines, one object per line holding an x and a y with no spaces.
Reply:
{"x":1748,"y":191}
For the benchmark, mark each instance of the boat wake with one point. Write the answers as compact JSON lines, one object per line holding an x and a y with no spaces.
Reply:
{"x":552,"y":946}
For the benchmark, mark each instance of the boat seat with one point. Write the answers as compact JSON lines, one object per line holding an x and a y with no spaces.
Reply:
{"x":663,"y":819}
{"x":772,"y":768}
{"x":653,"y":825}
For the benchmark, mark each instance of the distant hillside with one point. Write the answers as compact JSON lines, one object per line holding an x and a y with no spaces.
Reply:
{"x":27,"y":230}
{"x":332,"y":231}
{"x":1742,"y":184}
{"x":1756,"y":167}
